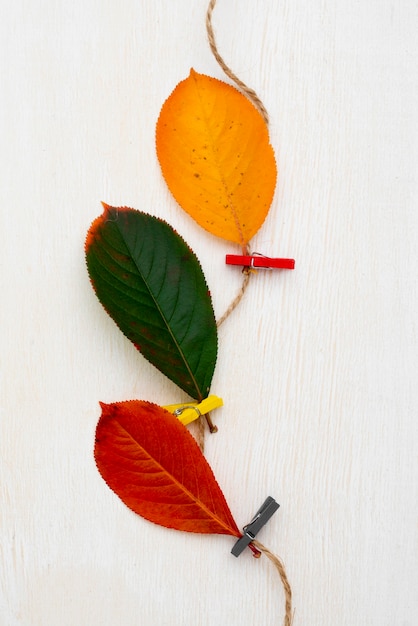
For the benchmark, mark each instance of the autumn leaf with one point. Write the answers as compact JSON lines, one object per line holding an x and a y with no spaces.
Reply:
{"x":215,"y":155}
{"x":152,"y":285}
{"x":150,"y":460}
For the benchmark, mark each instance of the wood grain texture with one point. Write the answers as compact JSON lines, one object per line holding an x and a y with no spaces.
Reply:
{"x":317,"y":367}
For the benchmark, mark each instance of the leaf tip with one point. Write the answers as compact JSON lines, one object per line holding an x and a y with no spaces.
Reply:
{"x":92,"y":233}
{"x":106,"y":409}
{"x":107,"y":209}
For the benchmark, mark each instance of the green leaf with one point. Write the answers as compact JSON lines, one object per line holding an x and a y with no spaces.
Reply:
{"x":152,"y":285}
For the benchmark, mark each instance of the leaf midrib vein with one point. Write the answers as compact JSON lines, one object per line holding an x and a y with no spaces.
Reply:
{"x":117,"y":305}
{"x":231,"y":205}
{"x":177,"y":483}
{"x":177,"y":345}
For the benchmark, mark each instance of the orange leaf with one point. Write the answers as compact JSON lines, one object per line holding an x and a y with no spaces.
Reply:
{"x":151,"y":461}
{"x":215,"y":155}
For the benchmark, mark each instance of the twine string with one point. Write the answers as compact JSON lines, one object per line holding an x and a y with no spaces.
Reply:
{"x":278,"y":564}
{"x":235,"y":302}
{"x":250,"y":93}
{"x":253,"y":97}
{"x":200,"y":433}
{"x":199,"y":426}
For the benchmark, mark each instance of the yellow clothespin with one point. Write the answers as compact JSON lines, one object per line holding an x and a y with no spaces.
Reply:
{"x":190,"y":411}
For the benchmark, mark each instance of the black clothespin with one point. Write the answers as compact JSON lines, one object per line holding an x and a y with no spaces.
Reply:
{"x":267,"y":509}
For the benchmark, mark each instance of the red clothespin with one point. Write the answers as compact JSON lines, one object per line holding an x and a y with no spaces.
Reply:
{"x":259,"y":261}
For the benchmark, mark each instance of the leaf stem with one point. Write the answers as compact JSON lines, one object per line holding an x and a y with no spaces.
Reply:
{"x":212,"y":427}
{"x":256,"y":552}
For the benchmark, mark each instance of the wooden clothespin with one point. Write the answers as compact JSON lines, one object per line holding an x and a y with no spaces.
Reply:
{"x":259,"y":261}
{"x":190,"y":411}
{"x":267,"y":509}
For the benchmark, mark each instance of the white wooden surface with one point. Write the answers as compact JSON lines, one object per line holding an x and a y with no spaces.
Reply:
{"x":318,"y":368}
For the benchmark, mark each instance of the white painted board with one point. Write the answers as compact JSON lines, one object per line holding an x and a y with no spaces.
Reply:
{"x":318,"y":367}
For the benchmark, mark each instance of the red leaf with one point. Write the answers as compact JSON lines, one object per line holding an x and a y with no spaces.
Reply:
{"x":150,"y":460}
